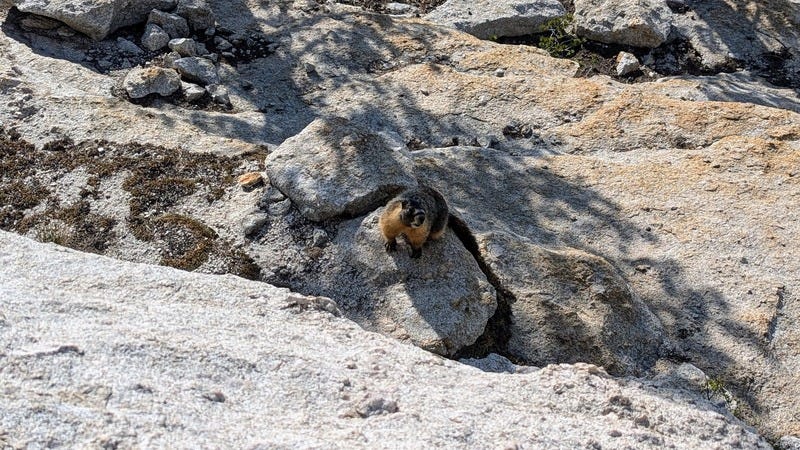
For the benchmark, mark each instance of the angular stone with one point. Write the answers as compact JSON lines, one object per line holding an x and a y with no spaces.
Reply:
{"x":487,"y":19}
{"x":184,"y":46}
{"x":198,"y":70}
{"x":128,"y":47}
{"x":154,"y":37}
{"x":151,"y":80}
{"x":197,"y":13}
{"x":627,"y":63}
{"x":642,"y":23}
{"x":174,"y":25}
{"x":334,"y":167}
{"x":250,"y":179}
{"x":192,"y":92}
{"x":219,"y":94}
{"x":95,"y":18}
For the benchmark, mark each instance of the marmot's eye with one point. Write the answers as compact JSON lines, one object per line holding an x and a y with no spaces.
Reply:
{"x":404,"y":203}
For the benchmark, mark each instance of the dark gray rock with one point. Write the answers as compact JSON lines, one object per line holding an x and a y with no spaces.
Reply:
{"x":174,"y":25}
{"x":128,"y":47}
{"x":198,"y":70}
{"x":154,"y":37}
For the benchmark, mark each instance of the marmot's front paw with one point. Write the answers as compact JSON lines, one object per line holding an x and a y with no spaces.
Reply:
{"x":416,"y":253}
{"x":391,"y":246}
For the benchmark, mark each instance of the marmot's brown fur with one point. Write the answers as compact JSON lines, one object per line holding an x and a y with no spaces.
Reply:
{"x":419,"y":214}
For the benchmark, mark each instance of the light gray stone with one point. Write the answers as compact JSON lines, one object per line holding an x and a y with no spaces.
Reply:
{"x":192,"y":92}
{"x":486,"y":19}
{"x":198,"y":70}
{"x":644,"y":23}
{"x":95,"y":18}
{"x":154,"y":38}
{"x":197,"y":13}
{"x":174,"y":25}
{"x":253,"y":221}
{"x":627,"y":63}
{"x":725,"y":38}
{"x":219,"y":94}
{"x":396,"y":8}
{"x":151,"y":80}
{"x":170,"y":58}
{"x":310,"y":168}
{"x":184,"y":46}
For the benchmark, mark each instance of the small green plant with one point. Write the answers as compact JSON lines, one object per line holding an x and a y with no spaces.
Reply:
{"x":713,"y":387}
{"x":557,"y":38}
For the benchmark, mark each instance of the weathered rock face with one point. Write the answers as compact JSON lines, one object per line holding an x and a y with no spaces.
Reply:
{"x":122,"y":349}
{"x":95,"y":18}
{"x":571,"y":305}
{"x":334,"y":167}
{"x":492,"y":19}
{"x":635,"y":23}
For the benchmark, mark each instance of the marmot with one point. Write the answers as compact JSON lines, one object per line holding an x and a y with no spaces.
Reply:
{"x":418,"y":214}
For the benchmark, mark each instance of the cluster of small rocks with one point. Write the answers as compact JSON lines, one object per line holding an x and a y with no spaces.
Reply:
{"x":188,"y":67}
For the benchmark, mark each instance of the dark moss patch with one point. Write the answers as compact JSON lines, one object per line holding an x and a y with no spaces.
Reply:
{"x":185,"y":242}
{"x":242,"y":265}
{"x":74,"y":226}
{"x":156,"y":178}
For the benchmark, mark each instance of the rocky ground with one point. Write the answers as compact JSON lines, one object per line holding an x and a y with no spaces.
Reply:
{"x":630,"y":210}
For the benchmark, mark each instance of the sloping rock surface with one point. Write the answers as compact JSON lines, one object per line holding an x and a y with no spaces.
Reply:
{"x":126,"y":350}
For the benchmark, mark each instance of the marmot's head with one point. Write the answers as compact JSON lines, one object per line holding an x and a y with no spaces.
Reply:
{"x":412,"y":213}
